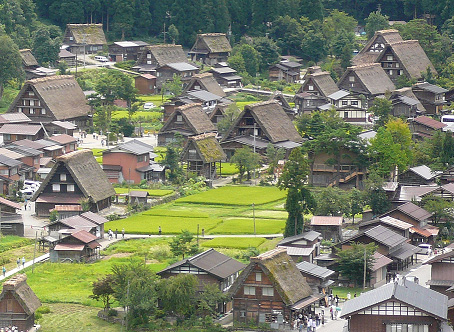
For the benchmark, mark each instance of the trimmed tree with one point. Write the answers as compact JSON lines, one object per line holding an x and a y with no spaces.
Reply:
{"x":351,"y":262}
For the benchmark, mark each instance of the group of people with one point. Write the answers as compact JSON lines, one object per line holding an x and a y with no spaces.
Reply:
{"x":10,"y":328}
{"x":18,"y":262}
{"x":111,"y":234}
{"x":310,"y":322}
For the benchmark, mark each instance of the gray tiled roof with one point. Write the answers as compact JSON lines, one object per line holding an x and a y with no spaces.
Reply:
{"x":315,"y":270}
{"x":422,"y":298}
{"x":385,"y":236}
{"x":310,"y":236}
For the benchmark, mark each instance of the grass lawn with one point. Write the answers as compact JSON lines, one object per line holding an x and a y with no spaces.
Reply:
{"x":241,"y":104}
{"x":246,"y":226}
{"x":151,"y":192}
{"x":149,"y":224}
{"x":343,"y":291}
{"x":234,"y":242}
{"x":236,"y":195}
{"x":148,"y":116}
{"x":269,"y":214}
{"x":155,"y":99}
{"x":228,"y":169}
{"x":9,"y":257}
{"x":75,"y":318}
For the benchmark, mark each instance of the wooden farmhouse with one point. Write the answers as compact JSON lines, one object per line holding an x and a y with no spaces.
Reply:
{"x":418,"y":176}
{"x":319,"y":83}
{"x":280,"y":98}
{"x":288,"y":71}
{"x":227,"y":77}
{"x":270,"y":290}
{"x":79,"y":247}
{"x":187,"y":120}
{"x":202,"y":154}
{"x":18,"y":304}
{"x":218,"y":113}
{"x":10,"y":168}
{"x":396,"y":306}
{"x":211,"y":268}
{"x":306,"y":102}
{"x":12,"y":132}
{"x":369,"y":80}
{"x":88,"y":221}
{"x":375,"y":46}
{"x":351,"y":107}
{"x":126,"y":50}
{"x":211,"y":48}
{"x":329,"y":227}
{"x":131,"y":162}
{"x":406,"y":104}
{"x":379,"y":270}
{"x":442,"y":273}
{"x":433,"y":97}
{"x":318,"y":277}
{"x":84,"y":38}
{"x":396,"y":225}
{"x":424,"y":126}
{"x":206,"y":82}
{"x":76,"y":176}
{"x":31,"y":66}
{"x":259,"y":125}
{"x":68,"y":57}
{"x":53,"y":98}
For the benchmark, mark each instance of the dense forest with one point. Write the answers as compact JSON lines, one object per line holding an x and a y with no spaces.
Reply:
{"x":142,"y":18}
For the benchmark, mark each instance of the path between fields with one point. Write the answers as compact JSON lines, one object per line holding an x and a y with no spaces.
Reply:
{"x":106,"y":242}
{"x":27,"y":264}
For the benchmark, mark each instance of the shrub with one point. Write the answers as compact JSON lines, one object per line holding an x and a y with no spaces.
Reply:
{"x":112,"y":312}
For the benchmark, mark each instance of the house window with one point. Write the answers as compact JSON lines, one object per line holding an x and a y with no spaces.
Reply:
{"x":71,"y":38}
{"x":31,"y":93}
{"x":249,"y":290}
{"x":243,"y":314}
{"x":192,"y":154}
{"x":14,"y":171}
{"x":351,"y":78}
{"x":401,"y":72}
{"x":63,"y":177}
{"x":70,"y":188}
{"x":179,"y":118}
{"x":19,"y":109}
{"x":7,"y":137}
{"x":149,"y":56}
{"x":344,"y":102}
{"x":140,"y":158}
{"x":345,"y":115}
{"x":311,"y":88}
{"x":389,"y":58}
{"x":32,"y":102}
{"x":397,"y":64}
{"x":354,"y":102}
{"x":56,"y":187}
{"x":32,"y":111}
{"x":391,"y":72}
{"x":148,"y":62}
{"x":258,"y":276}
{"x":4,"y":172}
{"x":407,"y":328}
{"x":9,"y":305}
{"x":268,"y":291}
{"x":43,"y":111}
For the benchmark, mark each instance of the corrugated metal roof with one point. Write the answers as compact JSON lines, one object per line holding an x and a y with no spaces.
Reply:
{"x":84,"y":236}
{"x":338,"y":95}
{"x":385,"y":236}
{"x":419,"y":297}
{"x":414,"y":211}
{"x":425,"y":172}
{"x":396,"y":222}
{"x":69,"y":247}
{"x":315,"y":270}
{"x":182,"y":66}
{"x":326,"y":220}
{"x":431,"y":87}
{"x":429,"y":122}
{"x":28,"y":129}
{"x":296,"y":251}
{"x":309,"y":236}
{"x":405,"y":251}
{"x":204,"y":95}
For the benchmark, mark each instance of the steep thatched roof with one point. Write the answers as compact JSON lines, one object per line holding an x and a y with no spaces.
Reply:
{"x":282,"y":271}
{"x":212,"y":42}
{"x":22,"y":292}
{"x":408,"y":92}
{"x":280,"y":98}
{"x":90,"y":34}
{"x":323,"y":81}
{"x":61,"y":95}
{"x":207,"y":147}
{"x":412,"y":56}
{"x":87,"y":173}
{"x":384,"y":37}
{"x":162,"y":55}
{"x":27,"y":58}
{"x":272,"y":119}
{"x":372,"y":76}
{"x":194,"y":116}
{"x":207,"y":82}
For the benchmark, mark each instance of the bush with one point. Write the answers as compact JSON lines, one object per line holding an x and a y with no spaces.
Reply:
{"x":112,"y":313}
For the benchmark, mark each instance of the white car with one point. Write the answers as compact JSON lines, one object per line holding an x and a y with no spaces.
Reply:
{"x":101,"y":58}
{"x":148,"y":106}
{"x":27,"y":193}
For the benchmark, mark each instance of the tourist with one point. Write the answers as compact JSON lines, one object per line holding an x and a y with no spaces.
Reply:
{"x":123,"y":233}
{"x":4,"y":271}
{"x":314,"y":325}
{"x":159,"y":230}
{"x":18,"y":262}
{"x":23,"y":262}
{"x":116,"y":233}
{"x":349,"y":296}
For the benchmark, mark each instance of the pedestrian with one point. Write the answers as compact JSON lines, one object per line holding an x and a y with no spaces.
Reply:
{"x":314,"y":325}
{"x":323,"y":318}
{"x":203,"y":232}
{"x":337,"y":300}
{"x":317,"y":319}
{"x":109,"y":233}
{"x":159,"y":230}
{"x":4,"y":271}
{"x":335,"y":313}
{"x":23,"y":261}
{"x":301,"y":326}
{"x":18,"y":262}
{"x":116,"y":233}
{"x":102,"y":142}
{"x":349,"y":296}
{"x":309,"y":325}
{"x":123,"y":233}
{"x":354,"y":295}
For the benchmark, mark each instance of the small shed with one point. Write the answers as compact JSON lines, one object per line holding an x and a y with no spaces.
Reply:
{"x":18,"y":304}
{"x":146,"y":84}
{"x":329,"y":227}
{"x":80,"y":246}
{"x":138,"y":197}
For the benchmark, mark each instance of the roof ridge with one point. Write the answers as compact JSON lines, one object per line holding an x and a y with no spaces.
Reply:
{"x":49,"y":78}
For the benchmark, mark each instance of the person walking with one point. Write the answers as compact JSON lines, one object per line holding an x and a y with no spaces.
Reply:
{"x":123,"y":233}
{"x":18,"y":263}
{"x":314,"y":324}
{"x":323,"y":318}
{"x":337,"y":300}
{"x":159,"y":230}
{"x":116,"y":233}
{"x":23,"y":261}
{"x":4,"y":271}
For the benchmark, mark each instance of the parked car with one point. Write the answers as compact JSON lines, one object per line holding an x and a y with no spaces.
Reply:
{"x":148,"y":106}
{"x":27,"y":193}
{"x":425,"y":248}
{"x":101,"y":58}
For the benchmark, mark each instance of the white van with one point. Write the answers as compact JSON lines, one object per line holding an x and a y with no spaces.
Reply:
{"x":27,"y":193}
{"x":425,"y":248}
{"x":101,"y":58}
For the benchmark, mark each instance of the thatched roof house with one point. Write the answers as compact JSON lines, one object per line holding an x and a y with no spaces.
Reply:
{"x":370,"y":80}
{"x":201,"y":153}
{"x":211,"y":48}
{"x":375,"y":45}
{"x":161,"y":55}
{"x":74,"y":177}
{"x":18,"y":303}
{"x":405,"y":58}
{"x":319,"y":83}
{"x":205,"y":81}
{"x":188,"y":120}
{"x":273,"y":282}
{"x":280,"y":98}
{"x":28,"y":58}
{"x":272,"y":125}
{"x":84,"y":38}
{"x":48,"y":99}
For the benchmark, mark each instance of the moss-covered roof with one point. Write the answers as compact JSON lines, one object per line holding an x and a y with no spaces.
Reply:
{"x":207,"y":147}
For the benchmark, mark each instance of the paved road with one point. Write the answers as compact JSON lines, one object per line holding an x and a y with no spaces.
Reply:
{"x":20,"y":267}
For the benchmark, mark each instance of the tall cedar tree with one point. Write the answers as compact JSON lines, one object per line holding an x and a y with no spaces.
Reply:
{"x":351,"y":262}
{"x":10,"y":62}
{"x":299,"y":197}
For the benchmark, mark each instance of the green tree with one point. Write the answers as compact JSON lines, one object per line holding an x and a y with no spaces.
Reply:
{"x":312,"y":9}
{"x":173,"y":33}
{"x":103,"y":291}
{"x":314,"y":46}
{"x":236,"y":61}
{"x":178,"y":295}
{"x":331,"y":201}
{"x":46,"y":44}
{"x":351,"y":262}
{"x":376,"y":21}
{"x":174,"y":86}
{"x":209,"y":300}
{"x":440,"y":208}
{"x":288,"y":33}
{"x":299,"y":198}
{"x":183,"y":244}
{"x":172,"y":163}
{"x":10,"y":62}
{"x":62,"y":67}
{"x":230,"y":115}
{"x":381,"y":108}
{"x":245,"y":161}
{"x":375,"y":195}
{"x":268,"y":51}
{"x":273,"y":155}
{"x":250,"y":56}
{"x":355,"y":202}
{"x":136,"y":287}
{"x":123,"y":17}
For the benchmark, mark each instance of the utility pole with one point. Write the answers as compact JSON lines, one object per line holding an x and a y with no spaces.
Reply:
{"x":34,"y":252}
{"x":127,"y":306}
{"x":253,"y":215}
{"x":365,"y":267}
{"x":254,"y":149}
